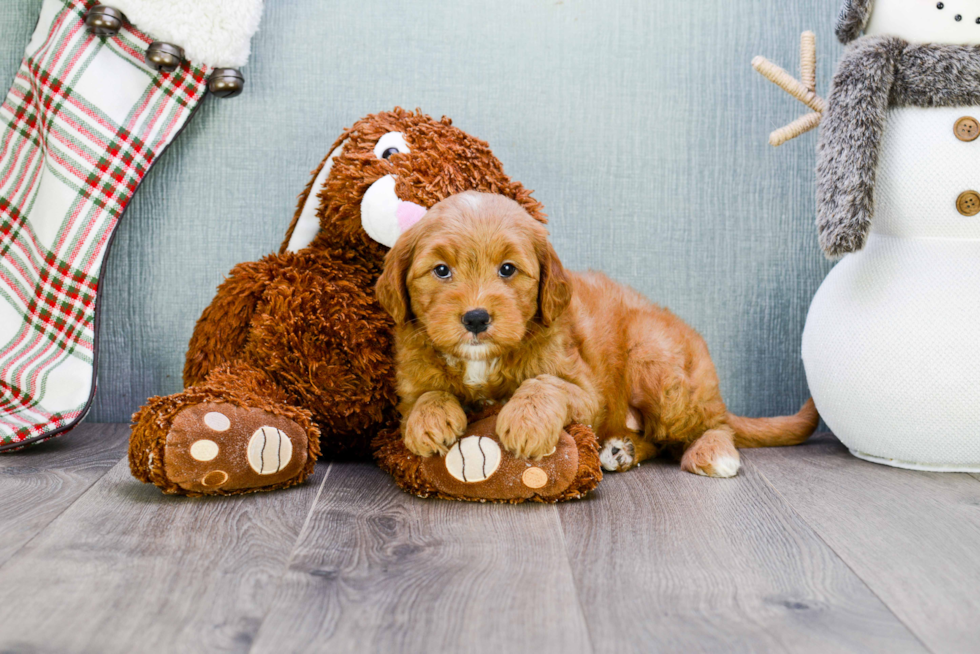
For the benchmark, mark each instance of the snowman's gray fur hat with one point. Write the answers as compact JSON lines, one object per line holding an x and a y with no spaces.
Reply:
{"x":852,"y":18}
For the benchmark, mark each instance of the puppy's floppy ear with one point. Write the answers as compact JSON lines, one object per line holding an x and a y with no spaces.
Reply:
{"x":392,"y":286}
{"x":554,"y":286}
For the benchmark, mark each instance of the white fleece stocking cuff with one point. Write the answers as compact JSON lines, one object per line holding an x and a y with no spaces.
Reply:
{"x":215,"y":33}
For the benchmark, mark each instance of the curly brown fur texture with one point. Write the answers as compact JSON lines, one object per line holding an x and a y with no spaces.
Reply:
{"x":876,"y":73}
{"x":406,"y":468}
{"x":317,"y":334}
{"x":852,"y":18}
{"x":557,"y":347}
{"x":309,"y":320}
{"x":444,"y":160}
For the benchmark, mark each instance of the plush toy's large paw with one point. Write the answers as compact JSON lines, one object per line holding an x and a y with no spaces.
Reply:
{"x":433,"y":426}
{"x":219,"y":448}
{"x":478,"y":468}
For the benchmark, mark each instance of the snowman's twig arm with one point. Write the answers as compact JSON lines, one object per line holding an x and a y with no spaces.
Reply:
{"x":850,"y":138}
{"x":788,"y":83}
{"x":805,"y":91}
{"x":798,"y":127}
{"x":808,"y":60}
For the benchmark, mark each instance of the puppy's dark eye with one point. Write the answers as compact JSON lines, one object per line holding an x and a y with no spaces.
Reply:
{"x":507,"y":270}
{"x":940,"y":6}
{"x":388,"y":152}
{"x":442,"y":271}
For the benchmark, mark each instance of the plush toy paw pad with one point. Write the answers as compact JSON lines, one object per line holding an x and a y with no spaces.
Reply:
{"x":473,"y":458}
{"x":534,"y":477}
{"x":217,"y":421}
{"x":269,"y":450}
{"x":478,"y":467}
{"x":215,"y":478}
{"x":204,"y":450}
{"x":617,"y":454}
{"x":218,"y":447}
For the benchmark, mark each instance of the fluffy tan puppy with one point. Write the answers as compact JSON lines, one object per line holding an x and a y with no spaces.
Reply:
{"x":485,"y":312}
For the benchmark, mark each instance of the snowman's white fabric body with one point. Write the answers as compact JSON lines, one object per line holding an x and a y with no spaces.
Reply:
{"x":891,"y":345}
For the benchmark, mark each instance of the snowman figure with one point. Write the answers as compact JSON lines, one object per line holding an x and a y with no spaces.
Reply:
{"x":891,"y":345}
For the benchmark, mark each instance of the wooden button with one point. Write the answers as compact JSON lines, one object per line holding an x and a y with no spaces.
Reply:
{"x":967,"y":129}
{"x":534,"y":477}
{"x":968,"y":203}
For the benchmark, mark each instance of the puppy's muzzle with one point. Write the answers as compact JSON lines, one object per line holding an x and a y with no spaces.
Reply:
{"x":476,"y":321}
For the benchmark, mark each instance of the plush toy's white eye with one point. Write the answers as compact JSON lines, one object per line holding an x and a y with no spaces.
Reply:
{"x":389,"y":144}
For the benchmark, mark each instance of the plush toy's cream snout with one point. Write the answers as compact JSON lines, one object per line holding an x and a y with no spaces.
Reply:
{"x":385,"y":216}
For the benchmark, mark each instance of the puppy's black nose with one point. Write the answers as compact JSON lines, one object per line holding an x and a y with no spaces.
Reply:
{"x":476,"y":320}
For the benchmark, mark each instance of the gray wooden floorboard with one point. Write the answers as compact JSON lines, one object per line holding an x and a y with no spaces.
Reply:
{"x":913,"y":537}
{"x":668,"y":561}
{"x":377,"y":570}
{"x":808,"y":549}
{"x":38,"y":483}
{"x":128,"y":569}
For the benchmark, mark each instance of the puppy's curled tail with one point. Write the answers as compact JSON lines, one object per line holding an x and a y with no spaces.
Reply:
{"x":771,"y":432}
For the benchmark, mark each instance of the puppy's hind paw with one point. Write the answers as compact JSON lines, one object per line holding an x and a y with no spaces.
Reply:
{"x":617,"y":455}
{"x":722,"y":468}
{"x":712,"y":455}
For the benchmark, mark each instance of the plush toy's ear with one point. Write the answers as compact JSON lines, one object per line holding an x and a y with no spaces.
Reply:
{"x":555,"y":289}
{"x":306,"y":221}
{"x":853,"y":17}
{"x":392,"y":286}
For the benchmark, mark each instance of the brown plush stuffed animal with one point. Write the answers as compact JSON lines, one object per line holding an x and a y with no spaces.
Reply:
{"x":294,"y":354}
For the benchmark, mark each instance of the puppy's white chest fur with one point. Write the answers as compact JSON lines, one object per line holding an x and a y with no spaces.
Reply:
{"x":475,"y":373}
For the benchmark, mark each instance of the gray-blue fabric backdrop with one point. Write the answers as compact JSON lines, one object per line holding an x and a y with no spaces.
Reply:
{"x":639,"y":123}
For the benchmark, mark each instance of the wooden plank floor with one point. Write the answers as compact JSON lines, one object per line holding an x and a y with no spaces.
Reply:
{"x":807,"y":550}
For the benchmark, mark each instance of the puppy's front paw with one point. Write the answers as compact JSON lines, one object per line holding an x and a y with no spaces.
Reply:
{"x":432,"y":428}
{"x":528,"y":428}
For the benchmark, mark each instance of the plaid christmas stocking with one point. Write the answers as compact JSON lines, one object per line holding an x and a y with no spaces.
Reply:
{"x":82,"y":124}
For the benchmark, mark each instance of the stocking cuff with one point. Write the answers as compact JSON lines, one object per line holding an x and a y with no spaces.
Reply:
{"x":216,"y":33}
